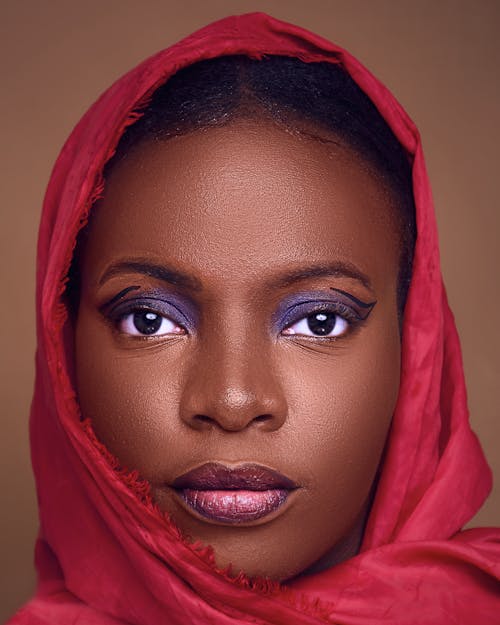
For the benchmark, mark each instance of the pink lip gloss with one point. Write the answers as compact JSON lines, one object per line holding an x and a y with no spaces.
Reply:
{"x":235,"y":506}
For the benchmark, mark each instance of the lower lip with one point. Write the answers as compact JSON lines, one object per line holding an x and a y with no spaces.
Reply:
{"x":234,"y":506}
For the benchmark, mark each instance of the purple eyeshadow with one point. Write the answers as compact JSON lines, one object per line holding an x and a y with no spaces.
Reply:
{"x":162,"y":302}
{"x":303,"y":304}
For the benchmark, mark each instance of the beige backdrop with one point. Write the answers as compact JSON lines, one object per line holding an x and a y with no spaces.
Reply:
{"x":439,"y":57}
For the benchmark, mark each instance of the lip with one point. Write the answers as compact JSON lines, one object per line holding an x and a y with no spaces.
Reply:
{"x":233,"y":495}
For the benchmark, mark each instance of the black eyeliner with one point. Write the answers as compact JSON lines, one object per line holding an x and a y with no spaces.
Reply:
{"x":118,"y":296}
{"x":357,"y":301}
{"x":155,"y":300}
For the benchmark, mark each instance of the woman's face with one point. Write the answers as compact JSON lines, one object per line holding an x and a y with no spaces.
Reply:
{"x":238,"y":308}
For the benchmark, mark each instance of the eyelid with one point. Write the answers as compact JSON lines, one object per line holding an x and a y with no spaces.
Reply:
{"x":117,"y":297}
{"x":134,"y":330}
{"x":308,"y":308}
{"x":366,"y":306}
{"x":350,"y":308}
{"x":161,"y":305}
{"x":294,"y":308}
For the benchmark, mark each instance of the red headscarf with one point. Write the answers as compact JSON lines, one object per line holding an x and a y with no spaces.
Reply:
{"x":105,"y":554}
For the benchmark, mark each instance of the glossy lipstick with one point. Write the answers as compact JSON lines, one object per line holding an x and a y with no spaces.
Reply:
{"x":233,"y":495}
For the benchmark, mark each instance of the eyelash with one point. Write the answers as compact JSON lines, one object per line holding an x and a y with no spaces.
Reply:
{"x":166,"y":312}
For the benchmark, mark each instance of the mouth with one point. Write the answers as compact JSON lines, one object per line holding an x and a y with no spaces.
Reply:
{"x":242,"y":494}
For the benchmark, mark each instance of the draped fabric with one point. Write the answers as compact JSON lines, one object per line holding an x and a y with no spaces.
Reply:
{"x":106,"y":554}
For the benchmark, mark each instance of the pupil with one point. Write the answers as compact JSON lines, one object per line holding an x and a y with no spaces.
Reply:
{"x":147,"y":322}
{"x":321,"y":323}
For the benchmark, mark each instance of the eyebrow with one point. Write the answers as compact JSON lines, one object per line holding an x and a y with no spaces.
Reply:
{"x":338,"y":269}
{"x":161,"y":272}
{"x":164,"y":273}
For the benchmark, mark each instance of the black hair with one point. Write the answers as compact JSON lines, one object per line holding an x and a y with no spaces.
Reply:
{"x":293,"y":93}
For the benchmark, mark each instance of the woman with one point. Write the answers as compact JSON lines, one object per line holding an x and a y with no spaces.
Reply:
{"x":233,"y":420}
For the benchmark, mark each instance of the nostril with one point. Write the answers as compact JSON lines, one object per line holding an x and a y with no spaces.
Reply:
{"x":203,"y":420}
{"x":263,"y":418}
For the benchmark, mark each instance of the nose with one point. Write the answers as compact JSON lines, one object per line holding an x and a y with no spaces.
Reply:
{"x":231,"y":385}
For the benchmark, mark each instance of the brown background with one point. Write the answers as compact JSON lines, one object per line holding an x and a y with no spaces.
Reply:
{"x":439,"y":57}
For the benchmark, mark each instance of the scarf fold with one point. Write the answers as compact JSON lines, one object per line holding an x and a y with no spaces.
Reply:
{"x":106,"y":554}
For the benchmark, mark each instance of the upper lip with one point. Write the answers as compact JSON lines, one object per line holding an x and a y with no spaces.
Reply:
{"x":217,"y":476}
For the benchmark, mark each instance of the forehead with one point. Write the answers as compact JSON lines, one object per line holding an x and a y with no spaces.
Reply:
{"x":245,"y":200}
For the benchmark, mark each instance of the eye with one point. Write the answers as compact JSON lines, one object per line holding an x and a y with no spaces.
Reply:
{"x":320,"y":324}
{"x":148,"y":323}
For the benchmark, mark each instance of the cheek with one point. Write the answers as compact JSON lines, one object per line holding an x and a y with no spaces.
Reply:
{"x":131,"y":395}
{"x":340,"y":406}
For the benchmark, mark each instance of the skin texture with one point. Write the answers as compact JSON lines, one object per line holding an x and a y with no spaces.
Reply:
{"x":236,"y":208}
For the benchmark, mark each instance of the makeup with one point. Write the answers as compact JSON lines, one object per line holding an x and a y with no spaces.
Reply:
{"x":366,"y":306}
{"x":119,"y":296}
{"x":157,"y":301}
{"x":233,"y":495}
{"x":310,"y":304}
